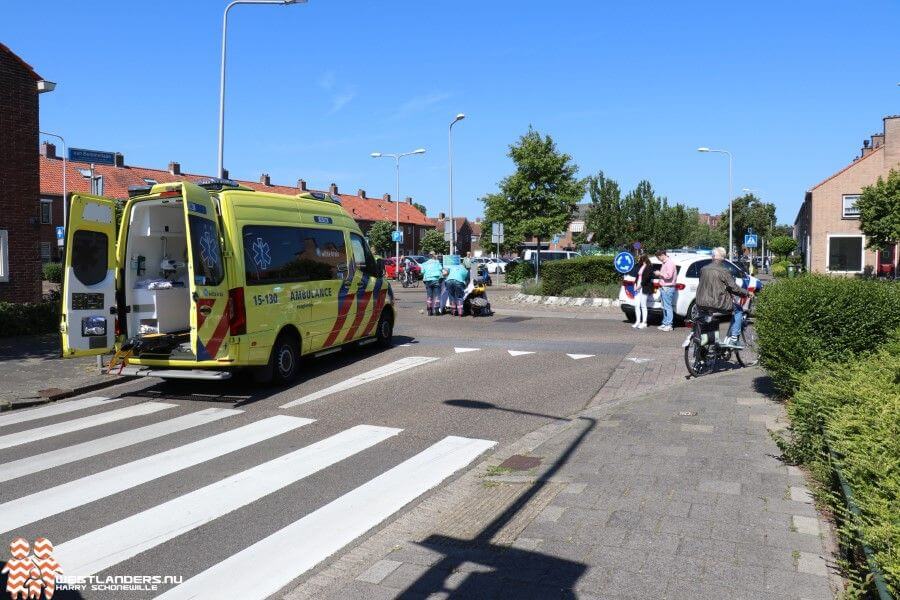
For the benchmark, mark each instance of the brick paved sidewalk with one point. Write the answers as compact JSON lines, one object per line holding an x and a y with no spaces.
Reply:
{"x":673,"y":492}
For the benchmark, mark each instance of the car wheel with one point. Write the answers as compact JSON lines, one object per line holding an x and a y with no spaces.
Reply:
{"x":693,"y":313}
{"x":285,"y":359}
{"x":384,"y":333}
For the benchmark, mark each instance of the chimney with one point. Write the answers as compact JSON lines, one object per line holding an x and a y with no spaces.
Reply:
{"x":866,"y":149}
{"x":441,"y":216}
{"x":174,"y":168}
{"x":333,"y":189}
{"x":302,"y":185}
{"x":48,"y":150}
{"x":386,"y":197}
{"x":361,"y":193}
{"x":224,"y":173}
{"x":264,"y":179}
{"x":891,"y":141}
{"x":119,"y":159}
{"x":877,"y":140}
{"x":408,"y":200}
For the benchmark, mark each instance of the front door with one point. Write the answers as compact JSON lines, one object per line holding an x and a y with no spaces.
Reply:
{"x":210,"y":302}
{"x":887,"y":258}
{"x":89,"y":281}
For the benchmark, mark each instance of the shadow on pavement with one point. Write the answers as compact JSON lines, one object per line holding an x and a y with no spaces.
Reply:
{"x":30,"y":346}
{"x":499,"y":570}
{"x":764,"y":385}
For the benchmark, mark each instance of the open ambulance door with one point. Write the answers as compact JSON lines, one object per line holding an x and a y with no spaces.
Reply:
{"x":89,"y":307}
{"x":211,"y":305}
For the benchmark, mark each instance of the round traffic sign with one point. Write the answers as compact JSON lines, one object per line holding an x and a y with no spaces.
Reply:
{"x":624,"y":262}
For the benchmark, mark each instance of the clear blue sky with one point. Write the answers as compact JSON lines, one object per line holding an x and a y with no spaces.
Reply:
{"x":630,"y":88}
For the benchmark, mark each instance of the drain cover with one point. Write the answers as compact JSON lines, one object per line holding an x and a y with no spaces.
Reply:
{"x":687,"y":413}
{"x":517,"y":462}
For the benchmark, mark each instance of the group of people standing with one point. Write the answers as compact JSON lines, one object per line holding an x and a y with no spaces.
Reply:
{"x":438,"y":278}
{"x":645,"y":288}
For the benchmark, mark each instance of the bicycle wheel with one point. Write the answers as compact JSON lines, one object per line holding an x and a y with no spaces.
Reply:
{"x":749,"y":354}
{"x":697,"y":358}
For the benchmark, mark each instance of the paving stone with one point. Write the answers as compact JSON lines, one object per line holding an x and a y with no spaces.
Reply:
{"x":524,"y":543}
{"x":801,"y":493}
{"x":574,"y":488}
{"x":720,"y":487}
{"x":799,"y":584}
{"x":752,"y":401}
{"x":694,"y":428}
{"x":813,"y":564}
{"x":806,"y":525}
{"x":551,"y":513}
{"x":377,"y":572}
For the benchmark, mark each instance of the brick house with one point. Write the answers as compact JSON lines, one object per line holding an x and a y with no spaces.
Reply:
{"x":20,"y":265}
{"x":827,"y":224}
{"x":114,"y":180}
{"x":463,"y":228}
{"x":567,"y":237}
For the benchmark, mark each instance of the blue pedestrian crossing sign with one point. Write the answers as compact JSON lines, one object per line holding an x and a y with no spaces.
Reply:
{"x":751,"y":240}
{"x":624,"y":262}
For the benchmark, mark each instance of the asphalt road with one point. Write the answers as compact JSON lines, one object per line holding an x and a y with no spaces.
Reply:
{"x":364,"y":438}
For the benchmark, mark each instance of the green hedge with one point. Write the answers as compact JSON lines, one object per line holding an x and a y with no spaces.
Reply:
{"x":53,"y":272}
{"x":559,"y":275}
{"x":517,"y":272}
{"x":853,"y":408}
{"x":28,"y":318}
{"x":811,"y":319}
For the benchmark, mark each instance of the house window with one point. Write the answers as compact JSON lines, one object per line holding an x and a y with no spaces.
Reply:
{"x":46,"y":212}
{"x":849,"y":209}
{"x":845,"y":253}
{"x":150,"y":181}
{"x":576,"y":226}
{"x":4,"y":255}
{"x":45,"y":251}
{"x":97,"y":185}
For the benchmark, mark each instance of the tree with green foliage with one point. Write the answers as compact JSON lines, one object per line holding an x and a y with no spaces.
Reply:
{"x":785,"y":230}
{"x":604,"y":218}
{"x":379,"y":235}
{"x":879,"y":211}
{"x":782,"y":245}
{"x":540,"y":197}
{"x":433,"y":241}
{"x":421,"y":208}
{"x":749,"y":212}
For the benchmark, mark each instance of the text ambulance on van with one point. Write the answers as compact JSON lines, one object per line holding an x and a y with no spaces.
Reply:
{"x":210,"y":277}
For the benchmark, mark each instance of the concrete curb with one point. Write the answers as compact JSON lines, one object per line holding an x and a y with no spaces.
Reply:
{"x":60,"y":394}
{"x":521,"y":298}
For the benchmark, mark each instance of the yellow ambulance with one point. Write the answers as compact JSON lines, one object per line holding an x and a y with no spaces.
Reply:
{"x":209,"y":277}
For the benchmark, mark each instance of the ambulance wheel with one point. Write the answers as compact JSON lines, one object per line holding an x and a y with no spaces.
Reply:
{"x":284,"y":362}
{"x":385,"y":331}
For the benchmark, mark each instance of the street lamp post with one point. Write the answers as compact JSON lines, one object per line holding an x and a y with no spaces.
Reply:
{"x":65,"y":153}
{"x":459,"y":117}
{"x":397,"y":158}
{"x":221,"y":168}
{"x":730,"y":203}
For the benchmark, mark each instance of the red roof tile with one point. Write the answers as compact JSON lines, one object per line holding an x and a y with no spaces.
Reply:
{"x":116,"y":181}
{"x":851,"y":165}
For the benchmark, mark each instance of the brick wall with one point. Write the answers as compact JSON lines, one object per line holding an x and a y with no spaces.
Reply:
{"x":19,"y":179}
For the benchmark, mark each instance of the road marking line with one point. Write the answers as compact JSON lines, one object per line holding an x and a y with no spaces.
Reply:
{"x":40,"y":433}
{"x":107,"y":546}
{"x":389,"y":369}
{"x":51,"y":410}
{"x":579,"y":356}
{"x":638,"y":361}
{"x":79,"y":492}
{"x":62,"y":456}
{"x":288,"y":553}
{"x":519,"y":352}
{"x":461,"y":350}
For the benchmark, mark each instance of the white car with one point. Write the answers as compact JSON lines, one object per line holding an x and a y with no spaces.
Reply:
{"x":548,"y":255}
{"x":688,"y":268}
{"x":493,"y":265}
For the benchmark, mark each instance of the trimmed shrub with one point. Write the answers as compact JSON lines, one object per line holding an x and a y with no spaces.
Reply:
{"x":593,"y":290}
{"x":518,"y":272}
{"x":853,"y":410}
{"x":53,"y":272}
{"x":560,"y":275}
{"x":28,"y":318}
{"x":779,"y":269}
{"x":811,"y":319}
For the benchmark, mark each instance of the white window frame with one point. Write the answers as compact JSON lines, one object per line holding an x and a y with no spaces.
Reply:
{"x":844,"y":214}
{"x":4,"y":256}
{"x":862,"y":249}
{"x":576,"y":227}
{"x":49,"y":221}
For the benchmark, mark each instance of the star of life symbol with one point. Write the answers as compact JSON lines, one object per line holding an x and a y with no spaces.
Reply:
{"x":31,"y":575}
{"x":262,"y":258}
{"x":208,"y":249}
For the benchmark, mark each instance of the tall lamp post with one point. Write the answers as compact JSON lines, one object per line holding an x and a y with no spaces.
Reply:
{"x":730,"y":207}
{"x":65,"y":153}
{"x":221,"y":168}
{"x":397,"y":158}
{"x":458,"y":118}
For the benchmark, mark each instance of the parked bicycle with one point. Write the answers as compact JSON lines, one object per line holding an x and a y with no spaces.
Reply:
{"x":408,"y":279}
{"x":704,"y":351}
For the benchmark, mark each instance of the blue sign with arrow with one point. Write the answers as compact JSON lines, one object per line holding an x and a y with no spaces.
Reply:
{"x":624,"y":262}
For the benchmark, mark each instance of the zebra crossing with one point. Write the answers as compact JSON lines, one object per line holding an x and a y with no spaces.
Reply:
{"x":275,"y":559}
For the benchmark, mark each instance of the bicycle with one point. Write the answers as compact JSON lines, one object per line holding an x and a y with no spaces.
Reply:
{"x":408,"y":279}
{"x":703,"y":351}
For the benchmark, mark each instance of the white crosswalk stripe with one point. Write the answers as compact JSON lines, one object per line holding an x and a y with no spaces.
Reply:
{"x":397,"y":366}
{"x":51,"y":410}
{"x":123,"y":539}
{"x":40,"y":433}
{"x":283,"y":556}
{"x":75,"y":493}
{"x":62,"y":456}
